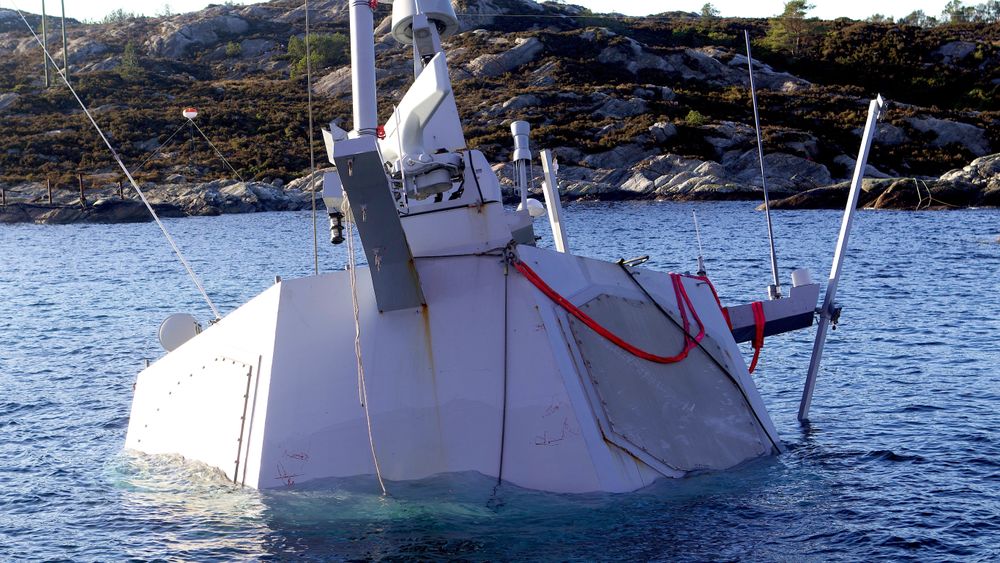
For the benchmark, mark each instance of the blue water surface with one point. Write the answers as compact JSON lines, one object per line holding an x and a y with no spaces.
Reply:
{"x":901,"y":460}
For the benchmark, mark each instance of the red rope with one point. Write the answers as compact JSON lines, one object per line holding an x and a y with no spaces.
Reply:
{"x":725,"y":311}
{"x":758,"y":340}
{"x":373,"y":4}
{"x":683,"y":304}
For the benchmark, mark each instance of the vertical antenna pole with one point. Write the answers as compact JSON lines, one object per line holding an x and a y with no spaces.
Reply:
{"x":312,"y":152}
{"x":701,"y":253}
{"x":774,"y":290}
{"x":363,"y":67}
{"x":62,"y":4}
{"x":827,"y":310}
{"x":45,"y":47}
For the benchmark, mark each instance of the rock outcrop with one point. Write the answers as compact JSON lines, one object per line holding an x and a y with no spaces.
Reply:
{"x":168,"y":200}
{"x":523,"y":52}
{"x":174,"y":38}
{"x":976,"y":185}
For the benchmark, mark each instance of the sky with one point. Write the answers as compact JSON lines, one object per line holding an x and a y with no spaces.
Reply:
{"x":826,"y":9}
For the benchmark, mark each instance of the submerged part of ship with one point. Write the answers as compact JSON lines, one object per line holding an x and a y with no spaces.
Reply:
{"x":462,"y":346}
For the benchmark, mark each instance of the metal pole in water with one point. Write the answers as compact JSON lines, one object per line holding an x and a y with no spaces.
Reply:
{"x":773,"y":291}
{"x":827,"y":311}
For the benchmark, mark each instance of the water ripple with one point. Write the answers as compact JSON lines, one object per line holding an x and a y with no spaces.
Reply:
{"x":901,"y":461}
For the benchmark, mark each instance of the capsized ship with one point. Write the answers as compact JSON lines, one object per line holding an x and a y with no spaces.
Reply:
{"x":462,"y":346}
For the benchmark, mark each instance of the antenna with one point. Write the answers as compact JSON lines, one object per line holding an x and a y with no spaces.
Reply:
{"x":45,"y":47}
{"x":701,"y":253}
{"x":774,"y":290}
{"x":62,"y":4}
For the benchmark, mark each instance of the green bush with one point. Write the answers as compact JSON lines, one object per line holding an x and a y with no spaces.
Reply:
{"x":695,"y":118}
{"x":233,"y":49}
{"x":325,"y":50}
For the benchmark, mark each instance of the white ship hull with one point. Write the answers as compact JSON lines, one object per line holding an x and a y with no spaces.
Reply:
{"x":490,"y":368}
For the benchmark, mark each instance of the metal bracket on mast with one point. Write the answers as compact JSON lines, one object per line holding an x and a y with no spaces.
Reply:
{"x":828,"y":310}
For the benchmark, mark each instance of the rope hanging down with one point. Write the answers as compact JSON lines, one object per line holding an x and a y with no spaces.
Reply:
{"x":352,"y":265}
{"x":128,"y":174}
{"x":683,"y":304}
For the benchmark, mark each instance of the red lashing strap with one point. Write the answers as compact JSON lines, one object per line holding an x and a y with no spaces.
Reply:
{"x":758,"y":340}
{"x":725,"y":311}
{"x":380,"y":132}
{"x":683,"y":304}
{"x":373,"y":4}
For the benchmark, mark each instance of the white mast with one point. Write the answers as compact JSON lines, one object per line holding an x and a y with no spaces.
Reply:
{"x":828,"y":310}
{"x":363,"y":68}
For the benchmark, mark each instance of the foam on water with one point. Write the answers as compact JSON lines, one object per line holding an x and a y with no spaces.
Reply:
{"x":901,"y":461}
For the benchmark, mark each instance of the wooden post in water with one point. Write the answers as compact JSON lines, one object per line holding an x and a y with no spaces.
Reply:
{"x":83,"y":198}
{"x":121,"y":190}
{"x":3,"y":197}
{"x":48,"y":188}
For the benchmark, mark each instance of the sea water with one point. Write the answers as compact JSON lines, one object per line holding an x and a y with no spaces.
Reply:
{"x":901,"y":459}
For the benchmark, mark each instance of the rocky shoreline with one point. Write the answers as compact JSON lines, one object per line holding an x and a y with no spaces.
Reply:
{"x":663,"y":178}
{"x":168,"y":200}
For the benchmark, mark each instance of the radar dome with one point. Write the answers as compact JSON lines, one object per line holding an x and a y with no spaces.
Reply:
{"x":440,"y":12}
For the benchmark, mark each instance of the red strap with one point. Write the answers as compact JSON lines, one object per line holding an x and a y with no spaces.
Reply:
{"x":373,"y":4}
{"x":725,"y":311}
{"x":758,"y":340}
{"x":683,"y":303}
{"x":380,"y":132}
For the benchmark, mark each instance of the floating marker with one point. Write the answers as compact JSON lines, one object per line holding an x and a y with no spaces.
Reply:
{"x":190,"y":113}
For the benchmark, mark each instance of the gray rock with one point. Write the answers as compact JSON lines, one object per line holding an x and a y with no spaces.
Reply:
{"x":523,"y":53}
{"x":543,"y":75}
{"x":84,"y":48}
{"x":982,"y":172}
{"x":887,"y":134}
{"x":616,"y":108}
{"x":663,"y":131}
{"x":320,"y":11}
{"x":482,"y":13}
{"x":338,"y":82}
{"x":955,"y":51}
{"x":765,"y":77}
{"x":785,"y":172}
{"x":7,"y":99}
{"x":729,"y":135}
{"x":619,"y":157}
{"x":633,"y":55}
{"x":947,"y":132}
{"x":254,"y":48}
{"x":849,"y":164}
{"x":592,"y":35}
{"x":521,"y":102}
{"x":110,"y":63}
{"x":173,"y":39}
